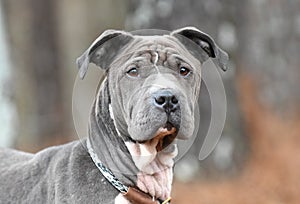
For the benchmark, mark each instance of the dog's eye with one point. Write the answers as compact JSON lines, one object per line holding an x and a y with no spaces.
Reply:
{"x":133,"y":72}
{"x":184,"y":71}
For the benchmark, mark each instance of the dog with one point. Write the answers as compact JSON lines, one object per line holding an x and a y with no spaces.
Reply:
{"x":145,"y":103}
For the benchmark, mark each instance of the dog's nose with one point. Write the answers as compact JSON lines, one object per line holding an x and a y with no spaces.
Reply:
{"x":166,"y":101}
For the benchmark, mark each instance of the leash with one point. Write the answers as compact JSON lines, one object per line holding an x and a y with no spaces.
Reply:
{"x":132,"y":194}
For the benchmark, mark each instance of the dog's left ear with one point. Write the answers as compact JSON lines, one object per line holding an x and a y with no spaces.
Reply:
{"x":205,"y":42}
{"x":103,"y":50}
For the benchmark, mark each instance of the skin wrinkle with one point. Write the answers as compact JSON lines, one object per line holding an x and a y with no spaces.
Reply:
{"x":155,"y":61}
{"x":107,"y":145}
{"x":97,"y":111}
{"x":162,"y":178}
{"x":155,"y":178}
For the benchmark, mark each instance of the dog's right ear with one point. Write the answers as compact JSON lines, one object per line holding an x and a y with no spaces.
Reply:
{"x":206,"y":43}
{"x":103,"y":50}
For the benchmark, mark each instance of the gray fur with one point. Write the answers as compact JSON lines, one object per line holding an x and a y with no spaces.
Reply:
{"x":60,"y":174}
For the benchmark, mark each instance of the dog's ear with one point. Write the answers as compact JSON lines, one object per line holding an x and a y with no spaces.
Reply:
{"x":205,"y":42}
{"x":103,"y":50}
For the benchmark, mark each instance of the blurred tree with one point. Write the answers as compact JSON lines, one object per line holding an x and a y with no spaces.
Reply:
{"x":270,"y":44}
{"x":38,"y":88}
{"x":45,"y":38}
{"x":7,"y":105}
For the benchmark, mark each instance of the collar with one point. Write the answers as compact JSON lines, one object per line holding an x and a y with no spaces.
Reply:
{"x":134,"y":195}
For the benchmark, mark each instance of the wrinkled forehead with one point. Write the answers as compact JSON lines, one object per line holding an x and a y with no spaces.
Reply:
{"x":160,"y":47}
{"x":157,"y":43}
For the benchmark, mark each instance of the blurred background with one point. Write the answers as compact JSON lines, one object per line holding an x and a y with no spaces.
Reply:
{"x":257,"y":159}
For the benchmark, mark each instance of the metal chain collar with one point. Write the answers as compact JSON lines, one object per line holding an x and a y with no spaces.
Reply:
{"x":105,"y":171}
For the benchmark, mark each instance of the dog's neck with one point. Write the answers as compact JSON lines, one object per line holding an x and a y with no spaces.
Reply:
{"x":106,"y":143}
{"x":132,"y":163}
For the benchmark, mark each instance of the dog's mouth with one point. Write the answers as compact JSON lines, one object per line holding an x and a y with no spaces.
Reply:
{"x":145,"y":152}
{"x":164,"y":136}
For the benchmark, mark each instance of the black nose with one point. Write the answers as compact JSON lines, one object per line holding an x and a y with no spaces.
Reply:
{"x":166,"y":101}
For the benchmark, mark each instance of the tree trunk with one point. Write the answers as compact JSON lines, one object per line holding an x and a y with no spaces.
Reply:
{"x":46,"y":37}
{"x":38,"y":89}
{"x":270,"y":53}
{"x":7,"y":105}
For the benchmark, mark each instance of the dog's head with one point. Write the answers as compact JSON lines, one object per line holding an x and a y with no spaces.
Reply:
{"x":154,"y":81}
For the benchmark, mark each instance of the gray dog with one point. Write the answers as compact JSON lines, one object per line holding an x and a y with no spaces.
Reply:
{"x":145,"y":102}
